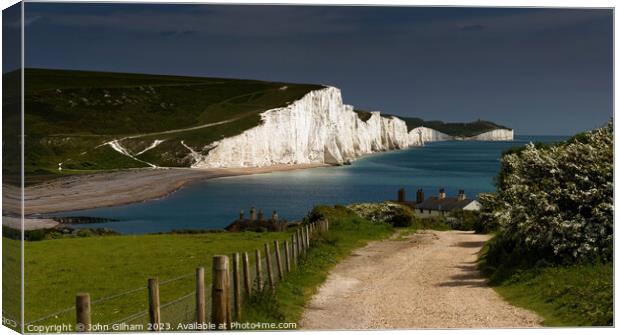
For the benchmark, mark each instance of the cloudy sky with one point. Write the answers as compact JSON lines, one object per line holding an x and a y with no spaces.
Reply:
{"x":540,"y":71}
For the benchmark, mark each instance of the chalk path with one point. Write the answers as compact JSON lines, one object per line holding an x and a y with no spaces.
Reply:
{"x":427,"y":280}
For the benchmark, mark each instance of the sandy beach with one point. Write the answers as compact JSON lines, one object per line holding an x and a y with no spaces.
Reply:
{"x":117,"y":188}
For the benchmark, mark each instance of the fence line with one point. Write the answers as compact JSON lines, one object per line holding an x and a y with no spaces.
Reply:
{"x":106,"y":298}
{"x":227,"y":288}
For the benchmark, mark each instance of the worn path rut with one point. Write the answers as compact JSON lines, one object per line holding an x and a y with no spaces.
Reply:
{"x":425,"y":280}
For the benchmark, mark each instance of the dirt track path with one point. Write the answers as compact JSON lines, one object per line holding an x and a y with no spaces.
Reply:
{"x":428,"y":280}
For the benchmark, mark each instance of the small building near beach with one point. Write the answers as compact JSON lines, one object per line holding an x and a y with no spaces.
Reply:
{"x":442,"y":205}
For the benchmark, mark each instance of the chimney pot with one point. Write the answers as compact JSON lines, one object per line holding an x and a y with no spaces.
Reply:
{"x":461,"y":195}
{"x":274,"y":216}
{"x":261,"y":215}
{"x":419,"y":197}
{"x":401,"y":195}
{"x":253,"y":213}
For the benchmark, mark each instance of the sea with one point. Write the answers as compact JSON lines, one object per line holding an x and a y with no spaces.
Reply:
{"x":213,"y":204}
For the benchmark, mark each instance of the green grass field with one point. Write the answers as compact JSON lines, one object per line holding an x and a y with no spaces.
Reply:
{"x":56,"y":270}
{"x":103,"y":266}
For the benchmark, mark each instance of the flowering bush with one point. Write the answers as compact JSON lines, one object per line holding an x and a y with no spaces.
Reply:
{"x":557,"y":200}
{"x":395,"y":214}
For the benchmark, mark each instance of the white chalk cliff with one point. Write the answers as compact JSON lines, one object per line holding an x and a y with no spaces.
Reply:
{"x":318,"y":128}
{"x":493,"y":135}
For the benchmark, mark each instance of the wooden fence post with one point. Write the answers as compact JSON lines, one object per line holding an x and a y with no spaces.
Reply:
{"x":229,"y":292}
{"x":302,"y":240}
{"x":276,"y":245}
{"x":287,"y":256}
{"x":246,"y":274}
{"x":154,"y":312}
{"x":237,"y":285}
{"x":200,"y":295}
{"x":82,"y":312}
{"x":220,"y":291}
{"x":302,"y":235}
{"x":259,"y":271}
{"x":295,"y":249}
{"x":269,"y":269}
{"x":307,"y":237}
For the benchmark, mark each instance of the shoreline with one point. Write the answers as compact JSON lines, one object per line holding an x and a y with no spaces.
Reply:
{"x":81,"y":192}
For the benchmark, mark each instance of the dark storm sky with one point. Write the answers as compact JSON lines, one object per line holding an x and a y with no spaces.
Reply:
{"x":540,"y":71}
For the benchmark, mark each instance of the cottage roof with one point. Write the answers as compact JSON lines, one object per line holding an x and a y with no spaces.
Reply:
{"x":446,"y":204}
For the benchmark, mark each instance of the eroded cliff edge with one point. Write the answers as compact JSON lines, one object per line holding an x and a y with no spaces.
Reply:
{"x":320,"y":129}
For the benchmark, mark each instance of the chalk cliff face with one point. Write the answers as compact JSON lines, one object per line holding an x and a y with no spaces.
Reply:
{"x":421,"y":135}
{"x":493,"y":135}
{"x":317,"y":128}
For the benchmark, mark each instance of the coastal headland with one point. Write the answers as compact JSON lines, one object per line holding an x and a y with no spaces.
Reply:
{"x":196,"y":129}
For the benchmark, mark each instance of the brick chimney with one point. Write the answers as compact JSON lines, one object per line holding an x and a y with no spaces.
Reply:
{"x":419,"y":196}
{"x":461,"y":195}
{"x":401,"y":195}
{"x":442,"y":193}
{"x":241,"y":215}
{"x":253,"y":213}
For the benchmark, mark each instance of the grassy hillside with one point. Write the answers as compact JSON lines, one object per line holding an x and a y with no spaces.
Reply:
{"x":69,"y":114}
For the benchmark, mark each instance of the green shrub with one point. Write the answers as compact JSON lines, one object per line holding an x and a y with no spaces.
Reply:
{"x":556,"y":201}
{"x":465,"y":220}
{"x":434,"y":223}
{"x":395,"y":214}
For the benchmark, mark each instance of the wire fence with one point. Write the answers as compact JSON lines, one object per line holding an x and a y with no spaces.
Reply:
{"x":132,"y":310}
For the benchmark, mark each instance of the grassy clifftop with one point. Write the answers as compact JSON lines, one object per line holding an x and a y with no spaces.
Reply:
{"x":69,"y":114}
{"x":461,"y":129}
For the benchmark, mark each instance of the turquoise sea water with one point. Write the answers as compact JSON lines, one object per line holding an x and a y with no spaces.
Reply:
{"x":213,"y":204}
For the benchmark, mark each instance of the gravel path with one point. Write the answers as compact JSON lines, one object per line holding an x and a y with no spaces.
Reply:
{"x":426,"y":280}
